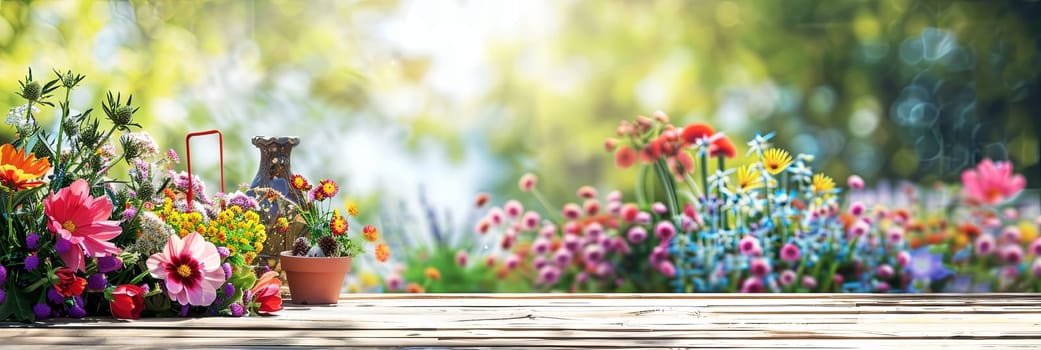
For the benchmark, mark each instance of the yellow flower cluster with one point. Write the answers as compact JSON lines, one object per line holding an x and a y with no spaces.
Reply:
{"x":240,"y":231}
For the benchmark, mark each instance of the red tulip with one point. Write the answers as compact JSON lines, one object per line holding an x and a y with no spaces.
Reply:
{"x":127,"y":302}
{"x":267,"y":292}
{"x":68,"y":283}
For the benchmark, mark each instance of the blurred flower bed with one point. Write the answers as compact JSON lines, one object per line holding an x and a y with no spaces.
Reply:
{"x":704,"y":218}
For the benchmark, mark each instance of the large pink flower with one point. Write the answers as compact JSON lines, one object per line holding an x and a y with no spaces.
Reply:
{"x":991,"y":183}
{"x":82,"y":221}
{"x":191,"y":268}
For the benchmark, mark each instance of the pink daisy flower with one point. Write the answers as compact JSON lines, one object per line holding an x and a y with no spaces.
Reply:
{"x":191,"y":269}
{"x":82,"y":221}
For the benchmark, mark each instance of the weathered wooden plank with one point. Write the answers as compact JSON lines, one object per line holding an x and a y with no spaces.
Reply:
{"x":601,"y":320}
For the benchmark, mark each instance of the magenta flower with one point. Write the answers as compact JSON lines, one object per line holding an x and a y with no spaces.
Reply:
{"x":191,"y":269}
{"x":81,"y":220}
{"x":991,"y":182}
{"x":790,"y":252}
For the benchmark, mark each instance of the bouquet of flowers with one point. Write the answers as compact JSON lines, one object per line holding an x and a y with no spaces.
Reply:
{"x":327,"y":227}
{"x":80,"y":242}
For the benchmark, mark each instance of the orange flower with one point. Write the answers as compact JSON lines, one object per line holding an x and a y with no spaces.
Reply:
{"x":693,"y":132}
{"x":433,"y":273}
{"x":370,"y":233}
{"x":338,"y":224}
{"x":19,"y":171}
{"x":328,"y":188}
{"x":624,"y":157}
{"x":415,"y":288}
{"x":382,"y":252}
{"x":300,"y":183}
{"x":722,"y":147}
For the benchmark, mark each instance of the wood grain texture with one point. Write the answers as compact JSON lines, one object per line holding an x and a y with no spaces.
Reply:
{"x":703,"y":321}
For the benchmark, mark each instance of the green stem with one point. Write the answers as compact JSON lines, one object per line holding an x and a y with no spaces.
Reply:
{"x":704,"y":173}
{"x":61,"y":129}
{"x":720,"y":213}
{"x":641,"y":182}
{"x":10,"y":219}
{"x":545,"y":205}
{"x":670,"y":192}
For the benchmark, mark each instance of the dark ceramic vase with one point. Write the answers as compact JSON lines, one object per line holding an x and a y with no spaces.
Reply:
{"x":275,"y":173}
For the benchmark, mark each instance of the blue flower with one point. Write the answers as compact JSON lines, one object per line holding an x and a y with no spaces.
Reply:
{"x":926,"y":265}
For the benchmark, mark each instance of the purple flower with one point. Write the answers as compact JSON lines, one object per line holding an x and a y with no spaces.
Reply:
{"x":541,"y":245}
{"x":3,"y":275}
{"x":562,"y":257}
{"x":643,"y":218}
{"x":229,"y":290}
{"x":594,"y":230}
{"x":1012,"y":253}
{"x":809,"y":282}
{"x":31,"y":262}
{"x":884,"y":271}
{"x":62,"y":246}
{"x":54,"y":297}
{"x":857,"y":209}
{"x":109,"y":263}
{"x":32,"y":241}
{"x":593,"y":253}
{"x":129,"y":213}
{"x":1035,"y":269}
{"x":925,"y":265}
{"x":184,"y":310}
{"x":539,"y":262}
{"x":571,"y":242}
{"x":97,"y":281}
{"x":549,"y":275}
{"x":237,"y":310}
{"x":77,"y":311}
{"x":3,"y":296}
{"x":882,"y":287}
{"x":227,"y":270}
{"x":665,"y":231}
{"x":531,"y":220}
{"x":637,"y":234}
{"x":985,"y":245}
{"x":747,"y":245}
{"x":223,"y":252}
{"x":42,"y":311}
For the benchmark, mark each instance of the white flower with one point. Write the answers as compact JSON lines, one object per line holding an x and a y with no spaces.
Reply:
{"x":759,"y":144}
{"x":16,"y":116}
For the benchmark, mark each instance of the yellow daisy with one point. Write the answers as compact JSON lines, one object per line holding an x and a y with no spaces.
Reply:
{"x":822,"y":184}
{"x":748,"y":178}
{"x":775,"y":160}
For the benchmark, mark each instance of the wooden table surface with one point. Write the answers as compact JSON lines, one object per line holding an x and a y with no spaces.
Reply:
{"x":703,"y":321}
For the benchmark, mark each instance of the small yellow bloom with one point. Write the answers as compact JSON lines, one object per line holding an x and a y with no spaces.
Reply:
{"x":822,"y":184}
{"x":352,"y":209}
{"x":748,"y":179}
{"x":775,"y":160}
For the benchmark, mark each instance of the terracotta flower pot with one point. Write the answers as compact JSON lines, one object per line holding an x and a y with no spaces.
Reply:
{"x":314,"y":280}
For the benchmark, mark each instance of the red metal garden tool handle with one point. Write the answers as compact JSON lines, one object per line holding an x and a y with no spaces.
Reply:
{"x":188,"y":151}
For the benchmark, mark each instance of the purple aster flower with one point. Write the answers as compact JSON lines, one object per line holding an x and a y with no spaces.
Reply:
{"x":109,"y":263}
{"x":562,"y":257}
{"x":224,"y":252}
{"x":54,"y":297}
{"x":549,"y":275}
{"x":229,"y":290}
{"x":77,"y":311}
{"x":97,"y":281}
{"x":926,"y":265}
{"x":62,"y":246}
{"x":42,"y":311}
{"x":129,"y":213}
{"x":31,"y":262}
{"x":32,"y":241}
{"x":237,"y":310}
